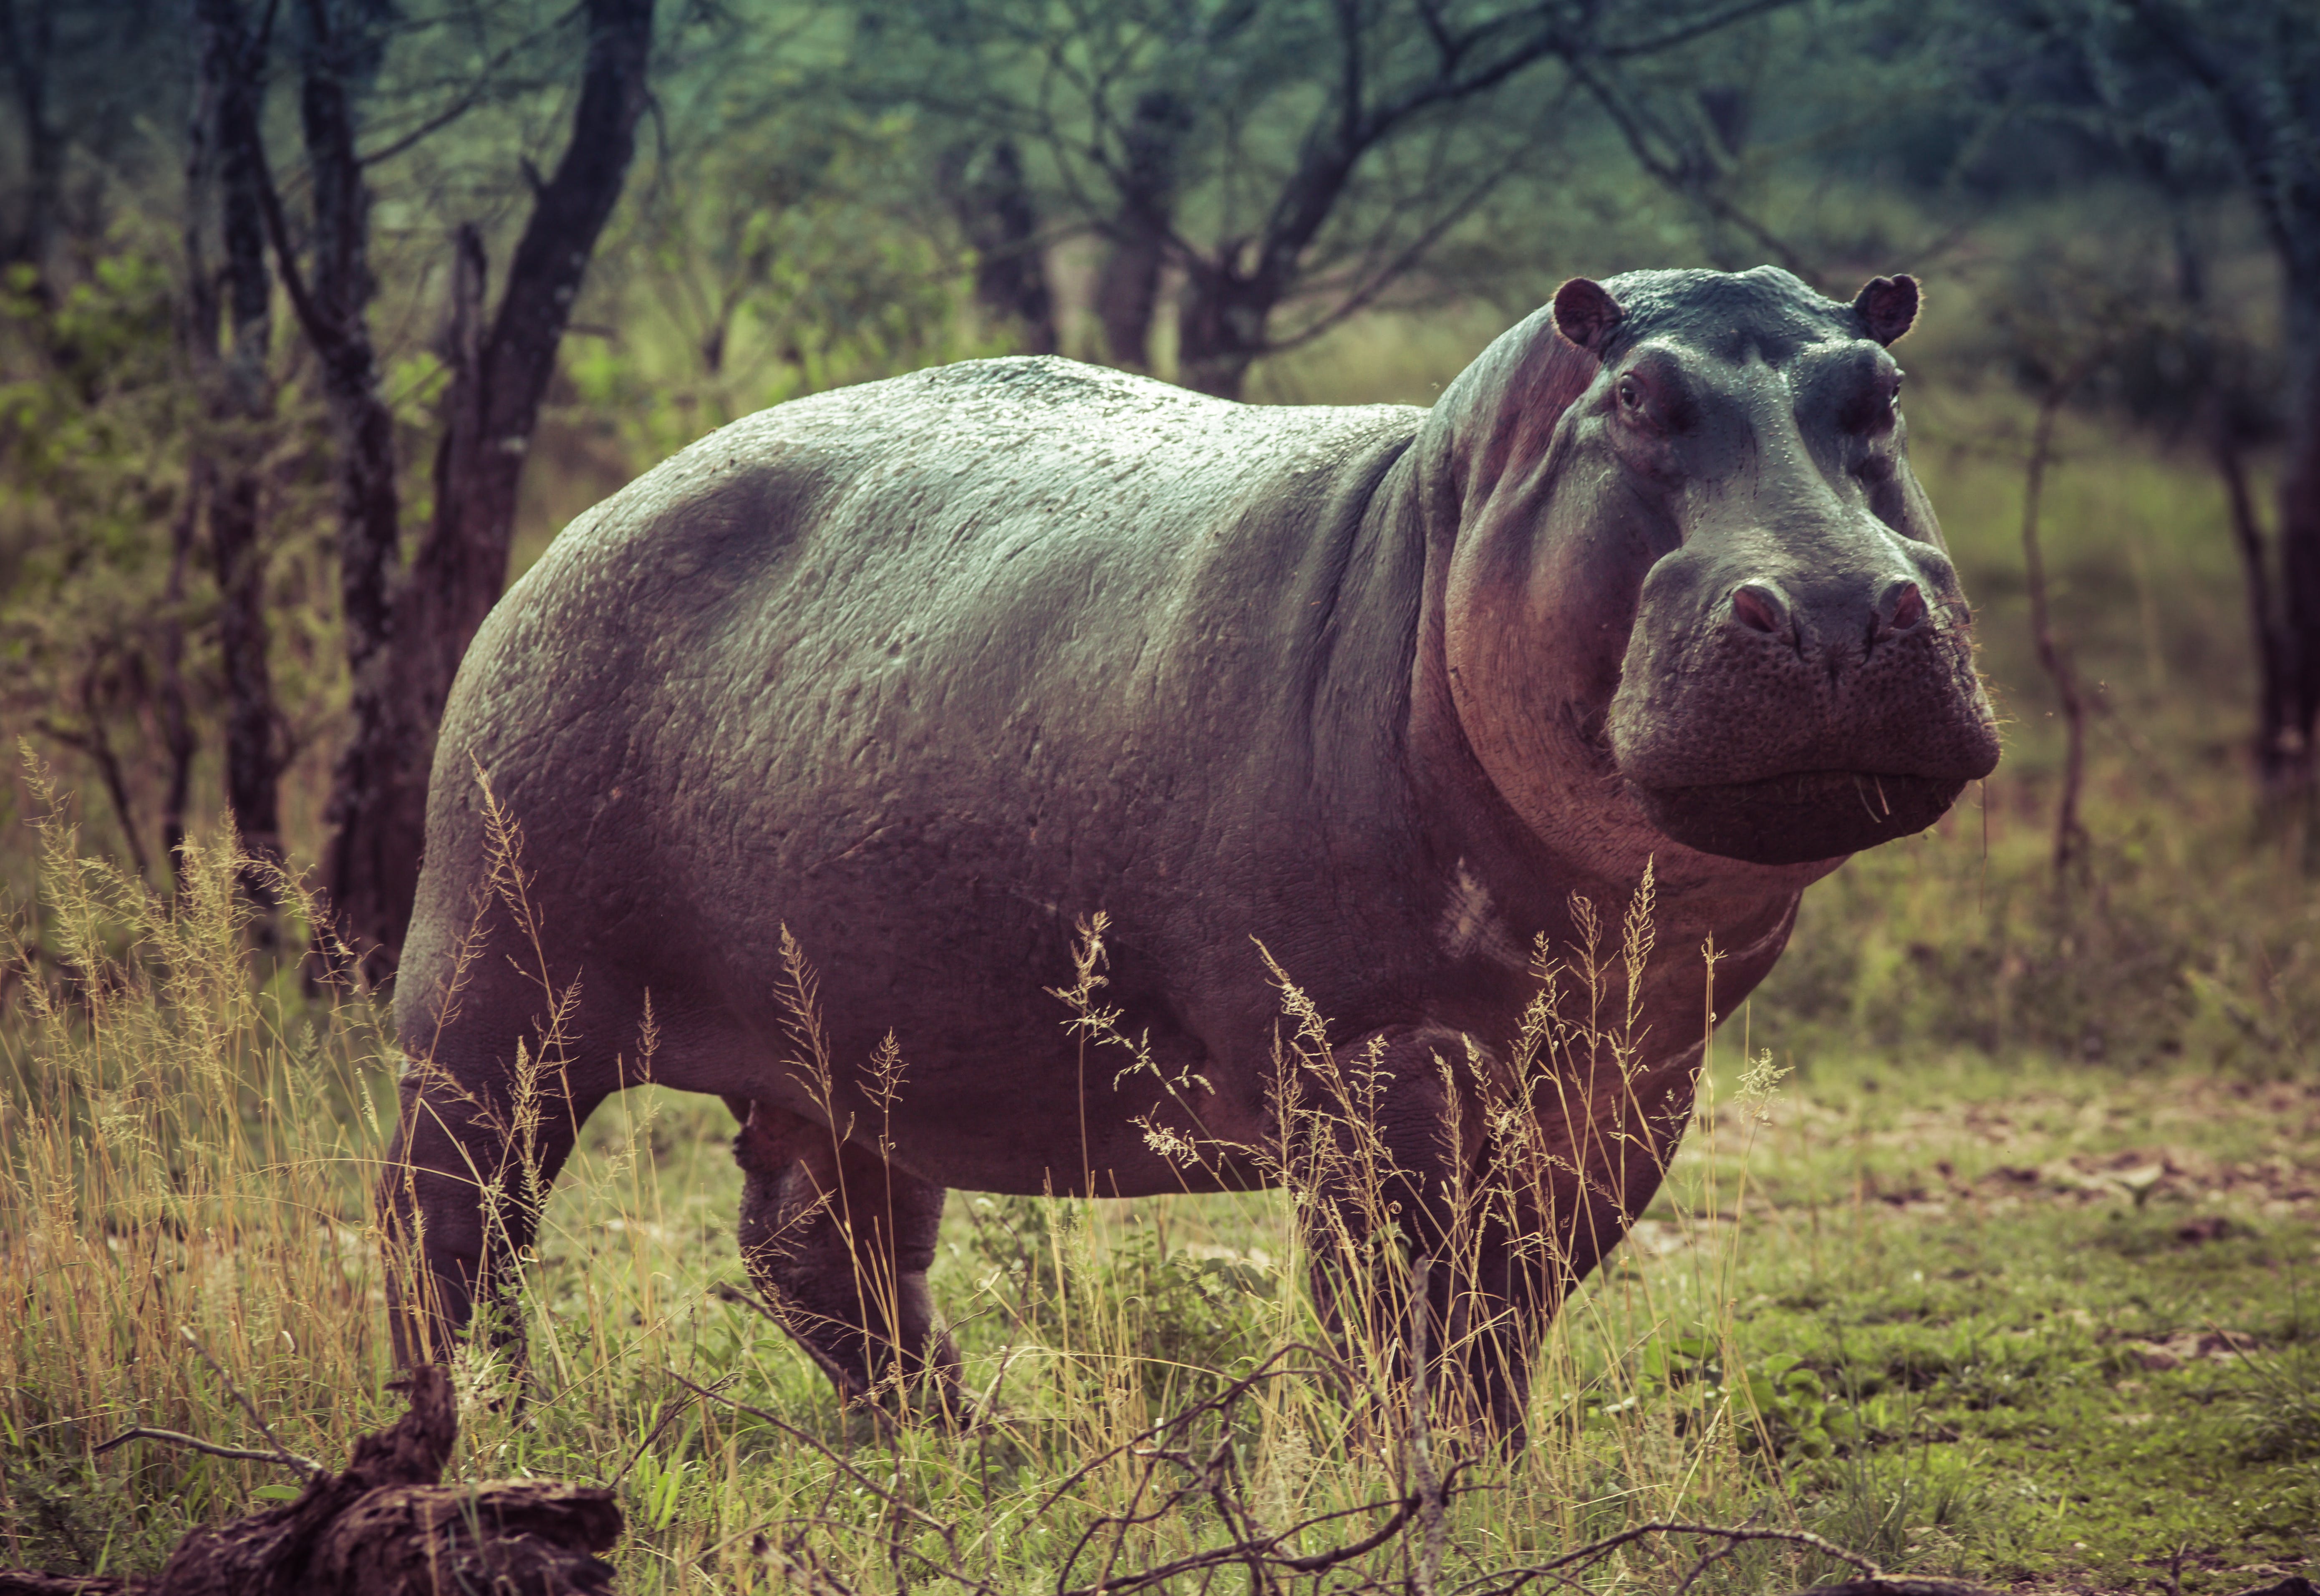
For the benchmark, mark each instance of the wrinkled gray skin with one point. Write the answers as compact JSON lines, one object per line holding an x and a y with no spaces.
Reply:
{"x":927,"y":670}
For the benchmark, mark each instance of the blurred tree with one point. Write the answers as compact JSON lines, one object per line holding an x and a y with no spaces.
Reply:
{"x":750,"y":281}
{"x":339,"y":47}
{"x":405,"y":632}
{"x":225,"y":477}
{"x":90,"y":465}
{"x":2187,"y":365}
{"x":993,"y":204}
{"x":88,"y":83}
{"x":162,"y":477}
{"x":28,"y":33}
{"x":1289,"y":160}
{"x":2255,"y":67}
{"x":2195,"y":94}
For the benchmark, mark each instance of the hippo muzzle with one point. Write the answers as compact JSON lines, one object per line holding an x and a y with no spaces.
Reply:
{"x":1779,"y":712}
{"x":1798,"y":817}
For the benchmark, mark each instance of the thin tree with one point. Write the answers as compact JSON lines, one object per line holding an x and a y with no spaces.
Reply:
{"x":2257,"y":67}
{"x":226,"y":484}
{"x":2197,"y":94}
{"x":406,"y":631}
{"x":2071,"y":842}
{"x":28,"y":33}
{"x":996,"y":212}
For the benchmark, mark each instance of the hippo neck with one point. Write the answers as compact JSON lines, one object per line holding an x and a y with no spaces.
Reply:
{"x":1601,"y":854}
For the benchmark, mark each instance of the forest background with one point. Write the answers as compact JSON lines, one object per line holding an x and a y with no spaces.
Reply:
{"x":320,"y":317}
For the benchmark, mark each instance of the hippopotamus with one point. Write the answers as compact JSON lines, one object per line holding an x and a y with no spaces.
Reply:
{"x":819,"y":746}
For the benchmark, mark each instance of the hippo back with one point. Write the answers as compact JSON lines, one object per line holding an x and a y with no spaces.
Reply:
{"x":927,"y":671}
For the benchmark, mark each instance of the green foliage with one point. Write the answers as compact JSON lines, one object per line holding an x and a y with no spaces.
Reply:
{"x":1781,"y":1403}
{"x":92,"y":405}
{"x":791,"y":297}
{"x":743,"y":284}
{"x":1193,"y":1316}
{"x":93,"y":415}
{"x":2278,"y":1403}
{"x":111,"y":606}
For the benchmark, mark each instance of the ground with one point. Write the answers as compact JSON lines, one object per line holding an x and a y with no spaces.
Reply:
{"x":2038,"y":1324}
{"x":2045,"y":1327}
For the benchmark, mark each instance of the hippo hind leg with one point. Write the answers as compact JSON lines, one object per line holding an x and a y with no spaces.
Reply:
{"x":838,"y":1241}
{"x":472,"y":1161}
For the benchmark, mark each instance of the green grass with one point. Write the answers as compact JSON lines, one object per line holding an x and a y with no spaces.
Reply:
{"x":1906,"y":1303}
{"x":1980,"y":1260}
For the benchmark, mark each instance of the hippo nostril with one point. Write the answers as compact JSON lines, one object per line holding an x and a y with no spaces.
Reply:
{"x":1760,"y":607}
{"x":1901,"y":606}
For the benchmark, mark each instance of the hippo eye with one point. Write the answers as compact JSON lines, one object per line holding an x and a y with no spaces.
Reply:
{"x":1631,"y":394}
{"x":1893,"y":400}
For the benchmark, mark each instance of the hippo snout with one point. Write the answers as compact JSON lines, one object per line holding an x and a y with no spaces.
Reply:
{"x":1800,"y":720}
{"x":1761,"y":606}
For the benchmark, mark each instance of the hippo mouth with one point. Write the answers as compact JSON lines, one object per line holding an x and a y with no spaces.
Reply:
{"x":1800,"y":817}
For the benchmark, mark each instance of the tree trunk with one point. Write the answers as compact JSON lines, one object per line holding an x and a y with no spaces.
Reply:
{"x":2070,"y":840}
{"x":380,"y":798}
{"x":176,"y":715}
{"x":237,"y":510}
{"x":1219,"y":328}
{"x":2299,"y":536}
{"x":197,"y":339}
{"x":1129,"y":290}
{"x":369,"y":506}
{"x":2264,"y":112}
{"x":239,"y":559}
{"x":242,"y":402}
{"x":370,"y":510}
{"x":30,"y":40}
{"x":1126,"y":292}
{"x":2275,"y":736}
{"x":90,"y":737}
{"x":462,"y":565}
{"x":996,"y":212}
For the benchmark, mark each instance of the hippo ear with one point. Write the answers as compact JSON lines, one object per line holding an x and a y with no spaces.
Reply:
{"x":1888,"y":306}
{"x":1585,"y":313}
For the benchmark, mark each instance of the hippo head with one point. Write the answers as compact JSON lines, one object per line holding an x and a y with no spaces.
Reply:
{"x":1692,"y":561}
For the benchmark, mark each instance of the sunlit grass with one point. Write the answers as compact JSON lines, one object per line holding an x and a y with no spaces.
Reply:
{"x":1905,"y":1305}
{"x":185,"y":1149}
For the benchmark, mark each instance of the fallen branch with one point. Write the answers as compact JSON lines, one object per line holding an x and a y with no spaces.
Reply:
{"x":384,"y":1527}
{"x":306,"y":1468}
{"x":1895,"y":1587}
{"x":1506,"y":1582}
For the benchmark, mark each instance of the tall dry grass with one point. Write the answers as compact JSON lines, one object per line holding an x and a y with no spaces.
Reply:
{"x":191,"y":1138}
{"x":186,"y":1147}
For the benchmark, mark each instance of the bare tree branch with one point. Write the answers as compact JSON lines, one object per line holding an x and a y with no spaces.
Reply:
{"x":305,"y":1468}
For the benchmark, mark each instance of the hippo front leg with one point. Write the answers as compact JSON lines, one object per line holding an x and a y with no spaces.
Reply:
{"x":461,"y":1199}
{"x":1423,"y":1149}
{"x":1391,"y":1145}
{"x":1587,"y":1151}
{"x":1571,"y":1160}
